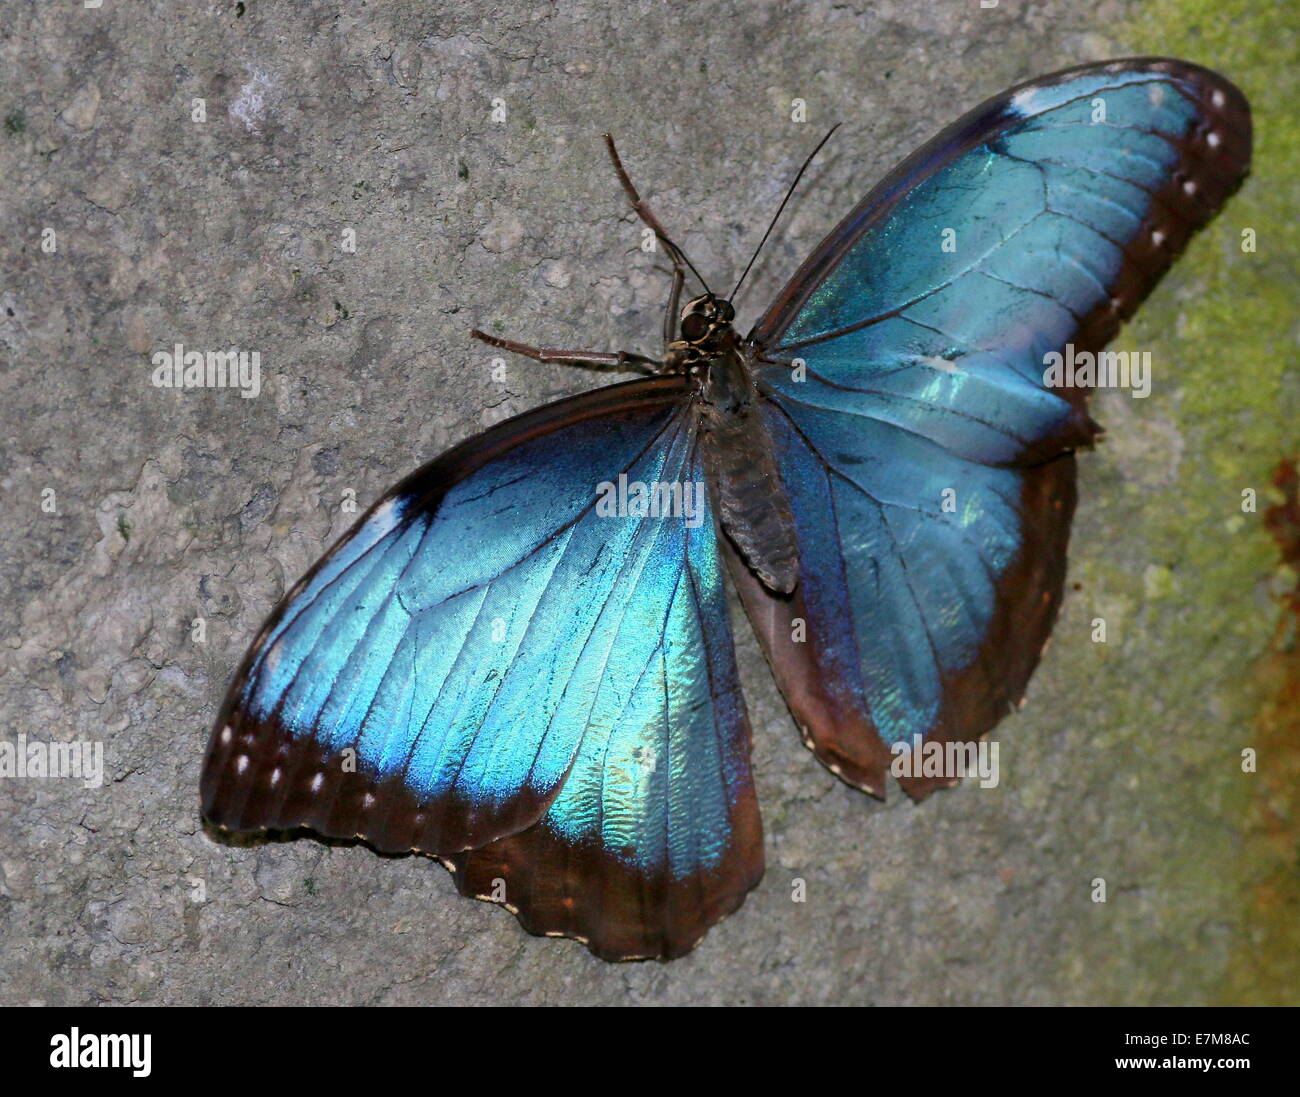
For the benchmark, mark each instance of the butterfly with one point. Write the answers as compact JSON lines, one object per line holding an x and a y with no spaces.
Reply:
{"x":520,"y":660}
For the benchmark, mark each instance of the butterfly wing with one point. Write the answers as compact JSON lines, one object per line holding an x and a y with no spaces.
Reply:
{"x":928,"y":464}
{"x":488,"y":661}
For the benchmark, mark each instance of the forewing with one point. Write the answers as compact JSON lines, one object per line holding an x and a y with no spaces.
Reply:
{"x":490,"y":660}
{"x":928,"y":464}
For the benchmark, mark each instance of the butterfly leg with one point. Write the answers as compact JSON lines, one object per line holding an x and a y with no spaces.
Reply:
{"x":652,"y":222}
{"x":671,"y":319}
{"x":642,"y":210}
{"x":572,"y":357}
{"x":680,"y":262}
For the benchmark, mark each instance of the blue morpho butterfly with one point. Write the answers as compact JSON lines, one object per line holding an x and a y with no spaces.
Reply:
{"x":491,"y":669}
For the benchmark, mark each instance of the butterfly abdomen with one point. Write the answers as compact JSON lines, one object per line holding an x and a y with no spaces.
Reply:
{"x":743,"y":477}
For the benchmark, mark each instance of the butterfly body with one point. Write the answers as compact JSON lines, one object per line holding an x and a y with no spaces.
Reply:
{"x":506,"y":667}
{"x":743,"y":477}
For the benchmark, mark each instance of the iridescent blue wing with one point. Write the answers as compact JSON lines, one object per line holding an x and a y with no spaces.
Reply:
{"x":490,"y":660}
{"x":928,"y":465}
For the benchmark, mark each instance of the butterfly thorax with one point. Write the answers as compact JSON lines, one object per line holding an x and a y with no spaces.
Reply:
{"x":738,"y":456}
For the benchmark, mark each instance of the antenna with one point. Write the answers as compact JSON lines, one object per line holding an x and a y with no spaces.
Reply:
{"x":788,"y":194}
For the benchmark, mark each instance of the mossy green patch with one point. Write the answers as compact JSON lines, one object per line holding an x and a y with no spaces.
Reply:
{"x":1177,"y":541}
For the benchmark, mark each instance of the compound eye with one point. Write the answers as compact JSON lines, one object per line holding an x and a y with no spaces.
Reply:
{"x":694,"y":326}
{"x":725,"y":312}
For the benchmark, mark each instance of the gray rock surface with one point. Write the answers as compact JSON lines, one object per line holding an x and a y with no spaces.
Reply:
{"x":174,"y":505}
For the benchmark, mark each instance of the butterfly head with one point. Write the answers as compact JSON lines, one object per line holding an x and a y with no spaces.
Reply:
{"x":704,"y":319}
{"x":706,"y":332}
